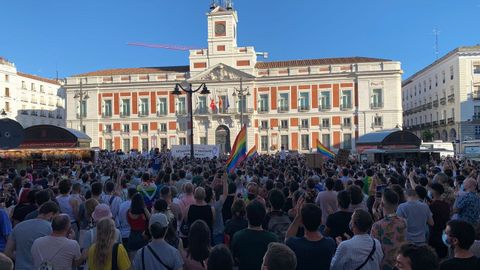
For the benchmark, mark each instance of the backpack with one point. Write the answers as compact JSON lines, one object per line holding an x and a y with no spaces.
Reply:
{"x":47,"y":264}
{"x":278,"y":225}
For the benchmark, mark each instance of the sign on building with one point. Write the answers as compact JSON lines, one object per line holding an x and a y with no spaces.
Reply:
{"x":199,"y":150}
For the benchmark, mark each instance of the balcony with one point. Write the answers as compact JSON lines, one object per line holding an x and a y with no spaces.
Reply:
{"x":262,"y":110}
{"x":106,"y":114}
{"x":435,"y":123}
{"x":162,"y":130}
{"x":429,"y":105}
{"x":283,"y":109}
{"x":161,"y":113}
{"x":43,"y":114}
{"x":451,"y":98}
{"x":124,"y":115}
{"x":33,"y":113}
{"x":303,"y":108}
{"x":324,"y":108}
{"x":125,"y":132}
{"x":24,"y":112}
{"x":83,"y":115}
{"x":435,"y":103}
{"x":143,"y":132}
{"x":443,"y":101}
{"x":325,"y":126}
{"x":377,"y":125}
{"x":59,"y":116}
{"x":345,"y":107}
{"x":376,"y":105}
{"x":142,"y":114}
{"x":450,"y":120}
{"x":107,"y":132}
{"x":443,"y":122}
{"x":346,"y":125}
{"x":246,"y":110}
{"x":181,"y":112}
{"x":201,"y":111}
{"x":283,"y":128}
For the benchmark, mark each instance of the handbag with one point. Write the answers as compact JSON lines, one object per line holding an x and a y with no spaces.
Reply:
{"x":115,"y":256}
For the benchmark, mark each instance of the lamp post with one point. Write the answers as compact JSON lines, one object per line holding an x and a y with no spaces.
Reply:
{"x":81,"y":95}
{"x":189,"y":90}
{"x":241,"y":94}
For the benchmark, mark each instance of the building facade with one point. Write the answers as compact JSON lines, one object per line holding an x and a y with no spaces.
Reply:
{"x":285,"y":103}
{"x":442,"y":101}
{"x":29,"y":99}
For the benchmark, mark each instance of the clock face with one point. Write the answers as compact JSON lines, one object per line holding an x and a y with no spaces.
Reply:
{"x":220,"y":29}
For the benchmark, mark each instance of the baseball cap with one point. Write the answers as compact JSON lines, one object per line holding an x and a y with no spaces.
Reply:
{"x":158,"y":218}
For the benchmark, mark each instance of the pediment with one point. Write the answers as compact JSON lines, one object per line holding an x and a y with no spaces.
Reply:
{"x":221,"y":72}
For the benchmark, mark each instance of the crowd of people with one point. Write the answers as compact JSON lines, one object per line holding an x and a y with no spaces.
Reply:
{"x":272,"y":213}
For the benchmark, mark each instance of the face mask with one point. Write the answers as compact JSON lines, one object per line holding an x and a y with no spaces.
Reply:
{"x":445,"y":239}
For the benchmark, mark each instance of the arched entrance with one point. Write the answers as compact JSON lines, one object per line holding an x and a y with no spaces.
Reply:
{"x":453,"y":134}
{"x":437,"y":135}
{"x":222,"y":139}
{"x":445,"y":135}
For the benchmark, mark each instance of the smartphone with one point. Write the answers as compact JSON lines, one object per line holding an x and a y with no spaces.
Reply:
{"x":379,"y":190}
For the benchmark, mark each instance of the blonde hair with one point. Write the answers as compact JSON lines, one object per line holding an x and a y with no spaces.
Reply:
{"x":104,"y":242}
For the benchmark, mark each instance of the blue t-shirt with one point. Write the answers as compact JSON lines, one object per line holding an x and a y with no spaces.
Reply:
{"x":468,"y":207}
{"x":5,"y":229}
{"x":417,"y":214}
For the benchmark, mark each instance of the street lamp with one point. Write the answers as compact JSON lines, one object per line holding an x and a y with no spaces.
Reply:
{"x":81,"y":95}
{"x":241,"y":94}
{"x":188,"y":89}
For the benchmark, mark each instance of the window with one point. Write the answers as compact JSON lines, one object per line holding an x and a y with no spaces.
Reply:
{"x":181,"y":108}
{"x":108,"y":144}
{"x":7,"y":78}
{"x":242,"y":103}
{"x":108,"y":128}
{"x":429,"y":84}
{"x":126,"y":145}
{"x":163,"y":127}
{"x":284,"y":141}
{"x":84,"y":129}
{"x":264,"y":143}
{"x":144,"y":144}
{"x":144,"y":128}
{"x":182,"y":126}
{"x":304,"y":123}
{"x":163,"y":143}
{"x":325,"y":122}
{"x":162,"y":106}
{"x":126,"y":128}
{"x":7,"y":106}
{"x":203,"y":140}
{"x":346,"y":99}
{"x":476,"y":112}
{"x":326,"y":140}
{"x":347,"y":122}
{"x":107,"y":108}
{"x":347,"y":141}
{"x":223,"y":104}
{"x":283,"y":103}
{"x":83,"y":108}
{"x":183,"y":141}
{"x":125,"y":108}
{"x":143,"y":107}
{"x":202,"y":105}
{"x":24,"y":86}
{"x":304,"y":101}
{"x":377,"y":121}
{"x":7,"y":92}
{"x":443,"y":76}
{"x":32,"y":87}
{"x":264,"y":124}
{"x":325,"y":100}
{"x":451,"y":72}
{"x":305,"y":141}
{"x":377,"y":98}
{"x":41,"y":89}
{"x":476,"y":70}
{"x":436,"y":80}
{"x":284,"y":124}
{"x":263,"y":103}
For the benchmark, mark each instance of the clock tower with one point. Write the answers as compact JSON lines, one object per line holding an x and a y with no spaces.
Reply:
{"x":222,"y":43}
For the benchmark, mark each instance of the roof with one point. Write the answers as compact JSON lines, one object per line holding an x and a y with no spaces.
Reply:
{"x":452,"y":52}
{"x":318,"y":62}
{"x":80,"y":135}
{"x":42,"y":136}
{"x":389,"y":137}
{"x":37,"y":78}
{"x":130,"y":71}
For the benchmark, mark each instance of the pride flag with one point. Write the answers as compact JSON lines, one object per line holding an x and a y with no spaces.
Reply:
{"x":238,"y":151}
{"x":322,"y":149}
{"x":252,"y":152}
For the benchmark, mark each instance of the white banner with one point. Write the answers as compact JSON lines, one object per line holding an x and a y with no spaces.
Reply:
{"x":199,"y":150}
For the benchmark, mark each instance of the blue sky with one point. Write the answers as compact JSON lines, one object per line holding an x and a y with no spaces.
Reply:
{"x":73,"y":37}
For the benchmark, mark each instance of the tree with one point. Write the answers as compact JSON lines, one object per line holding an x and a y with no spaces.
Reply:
{"x":427,"y":136}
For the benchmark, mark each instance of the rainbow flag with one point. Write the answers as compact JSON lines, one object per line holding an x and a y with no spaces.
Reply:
{"x":237,"y":155}
{"x":322,"y":149}
{"x":252,"y":152}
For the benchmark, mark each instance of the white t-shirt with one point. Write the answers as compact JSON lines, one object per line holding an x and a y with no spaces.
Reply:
{"x":60,"y":251}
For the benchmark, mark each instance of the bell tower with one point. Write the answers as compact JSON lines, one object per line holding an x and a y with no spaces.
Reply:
{"x":222,"y":42}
